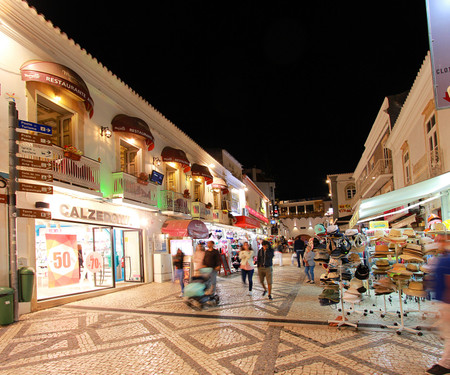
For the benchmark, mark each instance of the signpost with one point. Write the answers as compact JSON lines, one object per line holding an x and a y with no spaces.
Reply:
{"x":35,"y":151}
{"x":32,"y":188}
{"x":36,"y":176}
{"x":34,"y":214}
{"x":27,"y":125}
{"x":39,"y":139}
{"x":31,"y":163}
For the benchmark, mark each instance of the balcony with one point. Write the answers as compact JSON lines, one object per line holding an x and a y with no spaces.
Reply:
{"x":221,"y":217}
{"x":374,"y":181}
{"x":174,"y":204}
{"x":127,"y":187}
{"x":83,"y":173}
{"x":200,"y":211}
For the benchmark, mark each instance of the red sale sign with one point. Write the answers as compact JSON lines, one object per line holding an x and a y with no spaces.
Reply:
{"x":62,"y":259}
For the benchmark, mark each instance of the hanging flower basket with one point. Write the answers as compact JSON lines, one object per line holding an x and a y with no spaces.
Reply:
{"x":71,"y":155}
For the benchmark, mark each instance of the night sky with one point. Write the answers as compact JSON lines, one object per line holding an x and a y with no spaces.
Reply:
{"x":290,"y":87}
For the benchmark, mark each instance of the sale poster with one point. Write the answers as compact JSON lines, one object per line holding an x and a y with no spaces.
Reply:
{"x":62,"y":256}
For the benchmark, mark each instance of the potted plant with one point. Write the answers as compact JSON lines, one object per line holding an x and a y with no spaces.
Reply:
{"x":72,"y":152}
{"x":186,"y":194}
{"x":143,"y":178}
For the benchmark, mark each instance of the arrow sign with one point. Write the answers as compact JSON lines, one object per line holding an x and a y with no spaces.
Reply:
{"x":35,"y":151}
{"x":35,"y":127}
{"x":34,"y":214}
{"x":39,"y":139}
{"x":31,"y":188}
{"x":34,"y":163}
{"x":45,"y":177}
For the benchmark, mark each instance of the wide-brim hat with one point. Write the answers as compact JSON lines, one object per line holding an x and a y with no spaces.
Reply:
{"x":426,"y":268}
{"x":378,"y":234}
{"x":415,"y":289}
{"x":409,"y":257}
{"x":385,"y":282}
{"x":354,"y":258}
{"x":380,"y":291}
{"x":352,"y":298}
{"x":382,"y":263}
{"x":409,"y":232}
{"x":395,"y":235}
{"x":351,"y":232}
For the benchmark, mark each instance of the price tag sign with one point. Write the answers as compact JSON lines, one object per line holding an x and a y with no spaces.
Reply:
{"x":94,"y":262}
{"x":62,"y":259}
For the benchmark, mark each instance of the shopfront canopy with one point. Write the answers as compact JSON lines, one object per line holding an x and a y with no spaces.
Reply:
{"x":58,"y":75}
{"x":175,"y":155}
{"x":430,"y":189}
{"x":133,"y":125}
{"x":195,"y":229}
{"x":202,"y":171}
{"x":246,"y":222}
{"x":220,"y":184}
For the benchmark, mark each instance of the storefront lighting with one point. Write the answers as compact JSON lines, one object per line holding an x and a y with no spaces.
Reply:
{"x":105,"y":132}
{"x":212,"y":165}
{"x":57,"y":98}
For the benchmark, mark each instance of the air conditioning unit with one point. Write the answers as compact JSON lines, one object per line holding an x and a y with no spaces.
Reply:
{"x":245,"y":212}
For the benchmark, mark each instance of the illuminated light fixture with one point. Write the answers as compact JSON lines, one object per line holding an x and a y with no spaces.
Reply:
{"x":212,"y":165}
{"x":327,"y":181}
{"x":57,"y":98}
{"x":105,"y":131}
{"x":156,"y":161}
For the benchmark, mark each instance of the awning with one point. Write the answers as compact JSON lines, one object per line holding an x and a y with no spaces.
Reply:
{"x":220,"y":184}
{"x":134,"y":125}
{"x":174,"y":155}
{"x":246,"y":222}
{"x":202,"y":171}
{"x":60,"y":76}
{"x":428,"y":189}
{"x":195,"y":229}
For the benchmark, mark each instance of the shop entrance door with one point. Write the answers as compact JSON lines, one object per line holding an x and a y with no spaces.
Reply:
{"x":102,"y":244}
{"x":132,"y":259}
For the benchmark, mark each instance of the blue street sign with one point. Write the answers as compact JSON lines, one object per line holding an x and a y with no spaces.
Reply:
{"x":35,"y":127}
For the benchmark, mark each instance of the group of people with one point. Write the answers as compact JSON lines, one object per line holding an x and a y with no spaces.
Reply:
{"x":305,"y":255}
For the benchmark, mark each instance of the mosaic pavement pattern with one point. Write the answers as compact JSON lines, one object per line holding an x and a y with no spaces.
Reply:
{"x":149,"y":330}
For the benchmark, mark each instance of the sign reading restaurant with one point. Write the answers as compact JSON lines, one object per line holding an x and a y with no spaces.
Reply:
{"x":88,"y":214}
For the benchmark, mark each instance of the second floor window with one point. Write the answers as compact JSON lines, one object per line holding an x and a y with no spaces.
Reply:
{"x":129,"y":158}
{"x":171,"y":179}
{"x":433,"y":146}
{"x":406,"y":167}
{"x":350,"y":191}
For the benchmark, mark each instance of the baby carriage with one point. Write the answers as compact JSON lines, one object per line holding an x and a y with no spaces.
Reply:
{"x":197,"y":292}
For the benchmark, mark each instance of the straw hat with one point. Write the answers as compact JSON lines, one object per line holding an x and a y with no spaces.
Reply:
{"x":413,"y":267}
{"x":399,"y":269}
{"x":395,"y":235}
{"x":352,"y":298}
{"x":412,"y":258}
{"x":409,"y":232}
{"x":385,"y":282}
{"x":426,"y":268}
{"x":378,"y":234}
{"x":382,"y":251}
{"x":354,"y":258}
{"x":415,"y":288}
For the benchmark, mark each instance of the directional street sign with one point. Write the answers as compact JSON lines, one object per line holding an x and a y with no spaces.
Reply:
{"x":34,"y":214}
{"x":39,"y":139}
{"x":37,"y":176}
{"x":35,"y":127}
{"x":35,"y":151}
{"x":30,"y":163}
{"x":31,"y":188}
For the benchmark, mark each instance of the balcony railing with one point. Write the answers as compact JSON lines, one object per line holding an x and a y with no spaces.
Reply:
{"x":381,"y":168}
{"x":126,"y":186}
{"x":84,"y":172}
{"x":170,"y":202}
{"x":221,"y":217}
{"x":200,"y":211}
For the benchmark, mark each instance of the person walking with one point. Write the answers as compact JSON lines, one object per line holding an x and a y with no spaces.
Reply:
{"x":199,"y":255}
{"x":212,"y":260}
{"x":178,"y":260}
{"x":299,"y":248}
{"x":309,"y":264}
{"x":247,"y":267}
{"x":265,"y":267}
{"x":442,"y":289}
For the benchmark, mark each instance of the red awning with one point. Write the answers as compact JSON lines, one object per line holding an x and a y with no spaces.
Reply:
{"x":60,"y":76}
{"x":134,"y":125}
{"x":246,"y":222}
{"x":220,"y":184}
{"x":195,"y":229}
{"x":202,"y":171}
{"x":174,"y":155}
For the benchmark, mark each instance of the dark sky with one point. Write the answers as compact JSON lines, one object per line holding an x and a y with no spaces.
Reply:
{"x":292,"y":89}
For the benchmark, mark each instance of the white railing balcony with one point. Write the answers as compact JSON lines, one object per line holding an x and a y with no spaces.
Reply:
{"x":83,"y":173}
{"x":127,"y":186}
{"x":171,"y":203}
{"x":200,"y":211}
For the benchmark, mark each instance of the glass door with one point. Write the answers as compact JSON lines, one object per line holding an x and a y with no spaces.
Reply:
{"x":102,"y":244}
{"x":132,"y":259}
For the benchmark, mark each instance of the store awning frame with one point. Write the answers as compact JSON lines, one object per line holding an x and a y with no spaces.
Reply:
{"x":246,"y":222}
{"x":373,"y":208}
{"x":220,"y":184}
{"x":195,"y":229}
{"x":198,"y":170}
{"x":60,"y":76}
{"x":174,"y":155}
{"x":135,"y":126}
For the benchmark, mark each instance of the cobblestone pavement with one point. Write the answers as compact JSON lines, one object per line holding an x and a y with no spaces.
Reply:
{"x":149,"y":330}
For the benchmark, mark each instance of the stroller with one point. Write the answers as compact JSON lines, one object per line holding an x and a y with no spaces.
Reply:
{"x":196,"y":292}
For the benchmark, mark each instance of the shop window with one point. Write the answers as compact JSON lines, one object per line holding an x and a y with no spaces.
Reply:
{"x":60,"y":119}
{"x":129,"y":158}
{"x":350,"y":191}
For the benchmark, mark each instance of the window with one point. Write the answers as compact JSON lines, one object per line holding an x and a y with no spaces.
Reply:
{"x":406,"y":167}
{"x":198,"y":191}
{"x":129,"y":158}
{"x":292,"y":210}
{"x":60,"y":119}
{"x":216,"y":197}
{"x":171,"y":179}
{"x":350,"y":191}
{"x":432,"y":140}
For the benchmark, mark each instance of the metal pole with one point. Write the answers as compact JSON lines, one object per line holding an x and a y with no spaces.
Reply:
{"x":12,"y":186}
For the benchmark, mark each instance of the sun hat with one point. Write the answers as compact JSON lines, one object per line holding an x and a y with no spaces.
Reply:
{"x":385,"y":282}
{"x":380,"y":291}
{"x":413,"y":267}
{"x":395,"y":235}
{"x":378,"y":234}
{"x":319,"y":229}
{"x":415,"y":289}
{"x":353,"y":258}
{"x":362,"y":272}
{"x":411,"y":257}
{"x":332,"y":230}
{"x":409,"y":232}
{"x":425,"y":240}
{"x":351,"y":298}
{"x":351,"y":232}
{"x":426,"y":268}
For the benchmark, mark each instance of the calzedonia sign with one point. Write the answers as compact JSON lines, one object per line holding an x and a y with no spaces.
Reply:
{"x":88,"y":214}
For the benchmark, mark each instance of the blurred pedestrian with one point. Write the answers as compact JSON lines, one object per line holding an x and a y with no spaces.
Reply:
{"x":199,"y":255}
{"x":265,"y":267}
{"x":299,"y":248}
{"x":247,"y":266}
{"x":178,"y":260}
{"x":308,"y":259}
{"x":212,"y":260}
